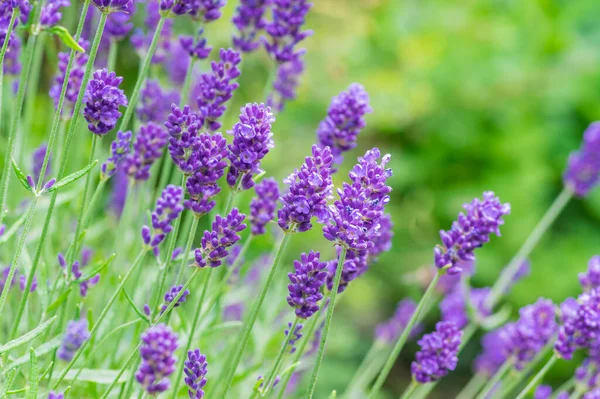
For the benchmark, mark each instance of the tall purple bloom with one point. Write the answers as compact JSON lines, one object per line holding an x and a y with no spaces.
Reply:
{"x":455,"y":309}
{"x":583,"y":169}
{"x":77,"y":333}
{"x":591,"y":278}
{"x":148,"y":147}
{"x":285,"y":30}
{"x":389,"y":331}
{"x":309,"y":189}
{"x":252,"y":140}
{"x":215,"y":242}
{"x":38,"y":159}
{"x":580,"y":324}
{"x":345,"y":119}
{"x":51,"y":14}
{"x":195,"y":368}
{"x":470,"y":231}
{"x":155,"y":103}
{"x":168,"y":208}
{"x":263,"y":206}
{"x":75,"y":78}
{"x":111,"y":6}
{"x":286,"y":83}
{"x":172,"y":294}
{"x":382,"y":239}
{"x":438,"y":354}
{"x":158,"y":360}
{"x":249,"y":19}
{"x":119,"y":148}
{"x":306,"y":282}
{"x":102,"y":101}
{"x":196,"y":48}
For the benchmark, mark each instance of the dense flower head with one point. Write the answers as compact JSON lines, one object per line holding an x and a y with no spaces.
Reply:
{"x":470,"y":231}
{"x":249,"y":19}
{"x":75,"y":78}
{"x":252,"y":140}
{"x":580,"y":324}
{"x":355,"y":265}
{"x":195,"y":368}
{"x":215,"y":88}
{"x":345,"y":119}
{"x":158,"y":360}
{"x":77,"y":333}
{"x":389,"y":331}
{"x":264,"y":205}
{"x":454,"y":308}
{"x":51,"y":14}
{"x":306,"y":281}
{"x":111,"y":6}
{"x":309,"y":189}
{"x":286,"y":83}
{"x":591,"y":278}
{"x":168,"y":208}
{"x":196,"y":48}
{"x":147,"y":148}
{"x":38,"y":159}
{"x":102,"y":101}
{"x":583,"y":169}
{"x":119,"y":148}
{"x":215,"y":242}
{"x":293,"y":337}
{"x":438,"y":354}
{"x":285,"y":29}
{"x":207,"y":10}
{"x":155,"y":102}
{"x":171,"y":294}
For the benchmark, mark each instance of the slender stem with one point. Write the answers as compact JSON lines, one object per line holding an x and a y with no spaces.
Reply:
{"x":473,"y":386}
{"x":121,"y":371}
{"x":113,"y":50}
{"x":229,"y":204}
{"x":410,"y":390}
{"x":507,"y":275}
{"x":279,"y":358}
{"x":188,"y":247}
{"x":98,"y":323}
{"x":492,"y":382}
{"x":9,"y":29}
{"x":405,"y":333}
{"x":368,"y":369}
{"x":245,"y":335}
{"x":538,"y":377}
{"x":93,"y":201}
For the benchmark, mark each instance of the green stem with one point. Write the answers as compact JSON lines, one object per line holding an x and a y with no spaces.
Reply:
{"x":188,"y":247}
{"x":403,"y":338}
{"x":410,"y":390}
{"x":98,"y":323}
{"x":9,"y":29}
{"x":368,"y":369}
{"x":279,"y":358}
{"x":330,"y":309}
{"x":538,"y":377}
{"x":491,"y":384}
{"x":245,"y":335}
{"x":229,"y":203}
{"x":93,"y":201}
{"x":113,"y":50}
{"x":507,"y":275}
{"x":473,"y":386}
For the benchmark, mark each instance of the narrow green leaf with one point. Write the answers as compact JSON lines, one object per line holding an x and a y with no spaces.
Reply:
{"x":229,"y":327}
{"x":97,"y":269}
{"x":10,"y":377}
{"x":66,"y":393}
{"x":66,"y":38}
{"x":21,"y":176}
{"x":13,"y":229}
{"x":33,"y":375}
{"x":289,"y":369}
{"x":29,"y":336}
{"x":40,"y":351}
{"x":45,"y":373}
{"x":72,"y":177}
{"x":17,"y":391}
{"x":139,"y":313}
{"x":61,"y":298}
{"x":99,"y":376}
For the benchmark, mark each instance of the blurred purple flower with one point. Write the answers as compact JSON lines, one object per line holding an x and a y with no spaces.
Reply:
{"x":263,"y":205}
{"x":119,"y":148}
{"x":158,"y":361}
{"x":148,"y":147}
{"x":285,"y":29}
{"x":389,"y":331}
{"x":168,"y":207}
{"x":249,"y":19}
{"x":286,"y":83}
{"x":77,"y":333}
{"x":583,"y":169}
{"x":155,"y":103}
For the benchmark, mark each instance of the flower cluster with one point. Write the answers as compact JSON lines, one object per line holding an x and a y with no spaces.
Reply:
{"x":155,"y":103}
{"x":195,"y":368}
{"x":389,"y":331}
{"x":158,"y":361}
{"x":583,"y":169}
{"x":51,"y":14}
{"x":252,"y":140}
{"x":168,"y":208}
{"x":149,"y":144}
{"x":171,"y":294}
{"x":77,"y":333}
{"x":591,"y":278}
{"x":294,"y":337}
{"x":263,"y":206}
{"x":215,"y":242}
{"x":438,"y":353}
{"x":306,"y":281}
{"x":470,"y":231}
{"x":119,"y":148}
{"x":141,"y":41}
{"x":454,"y":307}
{"x":286,"y":82}
{"x":580,"y":327}
{"x":75,"y":77}
{"x":76,"y":273}
{"x":285,"y":30}
{"x":102,"y":101}
{"x":196,"y":48}
{"x":249,"y":19}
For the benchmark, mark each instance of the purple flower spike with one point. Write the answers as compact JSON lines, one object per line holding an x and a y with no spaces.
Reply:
{"x":345,"y":119}
{"x":285,"y":29}
{"x":355,"y":265}
{"x":102,"y":100}
{"x":207,"y":10}
{"x":168,"y":208}
{"x":252,"y":140}
{"x":50,"y":14}
{"x":249,"y":19}
{"x":454,"y":308}
{"x":141,"y":41}
{"x":148,"y":147}
{"x":158,"y":361}
{"x":196,"y":48}
{"x":53,"y":395}
{"x":470,"y":231}
{"x":286,"y":83}
{"x":310,"y":188}
{"x":543,"y":392}
{"x":110,"y":6}
{"x":591,"y":278}
{"x":75,"y":78}
{"x":77,"y":333}
{"x":580,"y":327}
{"x":170,"y":296}
{"x":118,"y":25}
{"x":155,"y":103}
{"x":215,"y":242}
{"x":306,"y":282}
{"x":195,"y":368}
{"x":438,"y":354}
{"x":295,"y":336}
{"x":119,"y":148}
{"x":38,"y":159}
{"x":389,"y":331}
{"x":583,"y":169}
{"x":263,"y":206}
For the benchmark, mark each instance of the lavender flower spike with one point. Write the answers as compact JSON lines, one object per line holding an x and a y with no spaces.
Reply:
{"x":50,"y":14}
{"x":470,"y":231}
{"x":263,"y":206}
{"x":111,"y":6}
{"x":249,"y":20}
{"x":285,"y":29}
{"x":252,"y":140}
{"x":77,"y":333}
{"x":148,"y":147}
{"x":580,"y":327}
{"x":286,"y":83}
{"x":102,"y":100}
{"x":119,"y":148}
{"x":224,"y":234}
{"x":438,"y":354}
{"x":196,"y":48}
{"x":155,"y":103}
{"x":306,"y":282}
{"x":591,"y":278}
{"x":293,"y":338}
{"x":583,"y":169}
{"x":195,"y":368}
{"x":168,"y":208}
{"x":171,"y":294}
{"x":158,"y":361}
{"x":389,"y":331}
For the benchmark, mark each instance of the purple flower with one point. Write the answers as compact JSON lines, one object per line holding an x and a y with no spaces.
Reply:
{"x":580,"y":324}
{"x":388,"y":332}
{"x":119,"y":191}
{"x":542,"y":392}
{"x":77,"y":333}
{"x":53,"y":395}
{"x":4,"y":277}
{"x":102,"y":100}
{"x":285,"y":30}
{"x":155,"y":103}
{"x":293,"y":338}
{"x":470,"y":231}
{"x":249,"y":19}
{"x":207,"y":10}
{"x":38,"y":159}
{"x":454,"y":308}
{"x":306,"y":281}
{"x":438,"y":354}
{"x":170,"y":296}
{"x":118,"y":25}
{"x":345,"y":119}
{"x":233,"y":312}
{"x":263,"y":206}
{"x":148,"y":147}
{"x":75,"y":273}
{"x":168,"y":208}
{"x":141,"y":42}
{"x":583,"y":169}
{"x":75,"y":78}
{"x":111,"y":6}
{"x":217,"y":87}
{"x":215,"y":242}
{"x":252,"y":140}
{"x":595,"y":394}
{"x":286,"y":83}
{"x":310,"y":188}
{"x":50,"y":14}
{"x":355,"y":265}
{"x":195,"y":368}
{"x":196,"y":48}
{"x":175,"y":7}
{"x":23,"y":283}
{"x":591,"y":278}
{"x":119,"y":148}
{"x":494,"y":353}
{"x":158,"y":361}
